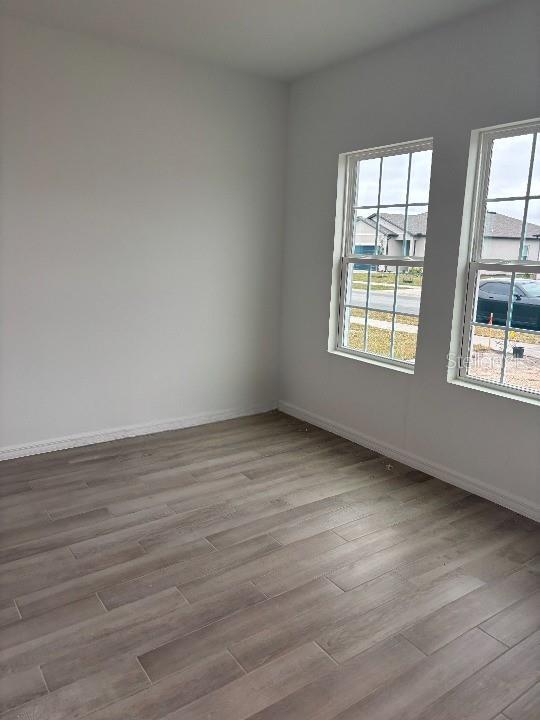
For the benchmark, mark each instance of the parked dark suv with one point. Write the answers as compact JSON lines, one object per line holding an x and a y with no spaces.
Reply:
{"x":493,"y":297}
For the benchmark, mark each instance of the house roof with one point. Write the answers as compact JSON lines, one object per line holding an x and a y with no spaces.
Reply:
{"x":393,"y":223}
{"x":416,"y":224}
{"x":497,"y":224}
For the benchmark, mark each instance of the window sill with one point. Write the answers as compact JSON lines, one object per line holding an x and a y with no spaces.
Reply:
{"x":490,"y":390}
{"x":372,"y":360}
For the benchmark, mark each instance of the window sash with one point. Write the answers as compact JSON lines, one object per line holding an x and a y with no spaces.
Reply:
{"x":347,"y":245}
{"x":476,"y":263}
{"x":374,"y":261}
{"x":350,"y":185}
{"x":481,"y":186}
{"x":393,"y":260}
{"x":470,"y":323}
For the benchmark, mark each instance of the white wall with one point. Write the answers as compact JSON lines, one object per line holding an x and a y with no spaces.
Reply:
{"x":141,"y":220}
{"x":444,"y":83}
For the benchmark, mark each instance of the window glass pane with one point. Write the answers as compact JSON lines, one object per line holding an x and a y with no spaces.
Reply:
{"x":390,"y":236}
{"x":526,"y":301}
{"x":365,"y":231}
{"x":522,"y":367}
{"x":379,"y":333}
{"x":348,"y":283}
{"x":510,"y":162}
{"x":353,"y":329}
{"x":485,"y":353}
{"x":531,"y":244}
{"x":381,"y":288}
{"x":395,"y":169}
{"x":415,"y":245}
{"x":405,"y":336}
{"x":535,"y":180}
{"x":503,"y":224}
{"x":367,"y":181}
{"x":359,"y":279}
{"x":533,"y":218}
{"x":492,"y":293}
{"x":382,"y":233}
{"x":409,"y":290}
{"x":420,"y":176}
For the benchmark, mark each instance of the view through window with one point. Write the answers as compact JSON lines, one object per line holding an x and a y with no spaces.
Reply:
{"x":501,"y":341}
{"x":385,"y":232}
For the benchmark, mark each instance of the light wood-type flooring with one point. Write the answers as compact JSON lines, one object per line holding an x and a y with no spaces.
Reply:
{"x":260,"y":568}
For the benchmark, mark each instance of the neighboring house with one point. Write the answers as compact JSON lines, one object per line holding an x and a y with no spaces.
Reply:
{"x":501,"y":238}
{"x":502,"y":233}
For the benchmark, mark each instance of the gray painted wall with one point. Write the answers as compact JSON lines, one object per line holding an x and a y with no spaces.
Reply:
{"x":443,"y":84}
{"x":121,"y":302}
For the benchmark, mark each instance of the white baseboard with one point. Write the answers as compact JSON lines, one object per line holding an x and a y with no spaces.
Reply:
{"x":519,"y":504}
{"x":71,"y":441}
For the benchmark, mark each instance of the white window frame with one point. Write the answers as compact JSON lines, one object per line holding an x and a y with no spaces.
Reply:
{"x":481,"y":145}
{"x":343,"y":255}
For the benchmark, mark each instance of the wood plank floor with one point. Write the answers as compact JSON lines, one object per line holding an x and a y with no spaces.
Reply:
{"x":260,"y":568}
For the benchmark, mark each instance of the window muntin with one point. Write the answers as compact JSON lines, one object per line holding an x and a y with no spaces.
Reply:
{"x":383,"y":246}
{"x":501,"y":338}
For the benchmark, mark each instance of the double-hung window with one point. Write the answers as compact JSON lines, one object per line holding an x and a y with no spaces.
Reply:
{"x":383,"y":240}
{"x":501,"y":335}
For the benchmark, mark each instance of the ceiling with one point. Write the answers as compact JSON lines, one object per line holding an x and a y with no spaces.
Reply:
{"x":277,"y":38}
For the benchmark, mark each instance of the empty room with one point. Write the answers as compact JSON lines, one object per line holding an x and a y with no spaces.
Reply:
{"x":269,"y":360}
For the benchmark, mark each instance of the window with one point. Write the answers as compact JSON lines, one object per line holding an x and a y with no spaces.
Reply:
{"x":497,"y":288}
{"x":501,"y":335}
{"x":383,"y":240}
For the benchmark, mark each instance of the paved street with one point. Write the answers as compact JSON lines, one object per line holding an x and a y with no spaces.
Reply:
{"x":408,"y":299}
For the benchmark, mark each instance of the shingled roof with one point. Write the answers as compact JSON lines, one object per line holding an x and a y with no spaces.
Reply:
{"x":497,"y":225}
{"x":416,"y":224}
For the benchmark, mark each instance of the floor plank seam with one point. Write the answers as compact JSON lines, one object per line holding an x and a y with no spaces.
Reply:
{"x":237,"y":661}
{"x":401,"y":635}
{"x":43,"y":678}
{"x":265,"y":595}
{"x":274,"y":538}
{"x":482,"y":669}
{"x":518,"y":697}
{"x":315,"y":642}
{"x":17,"y":608}
{"x":187,"y":602}
{"x":101,"y":602}
{"x":329,"y":578}
{"x":139,"y":663}
{"x":333,"y":531}
{"x":483,"y":630}
{"x":77,"y":560}
{"x":144,"y":550}
{"x":203,"y":626}
{"x":210,"y":543}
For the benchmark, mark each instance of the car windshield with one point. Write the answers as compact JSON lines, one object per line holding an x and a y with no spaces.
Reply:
{"x":531,"y":287}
